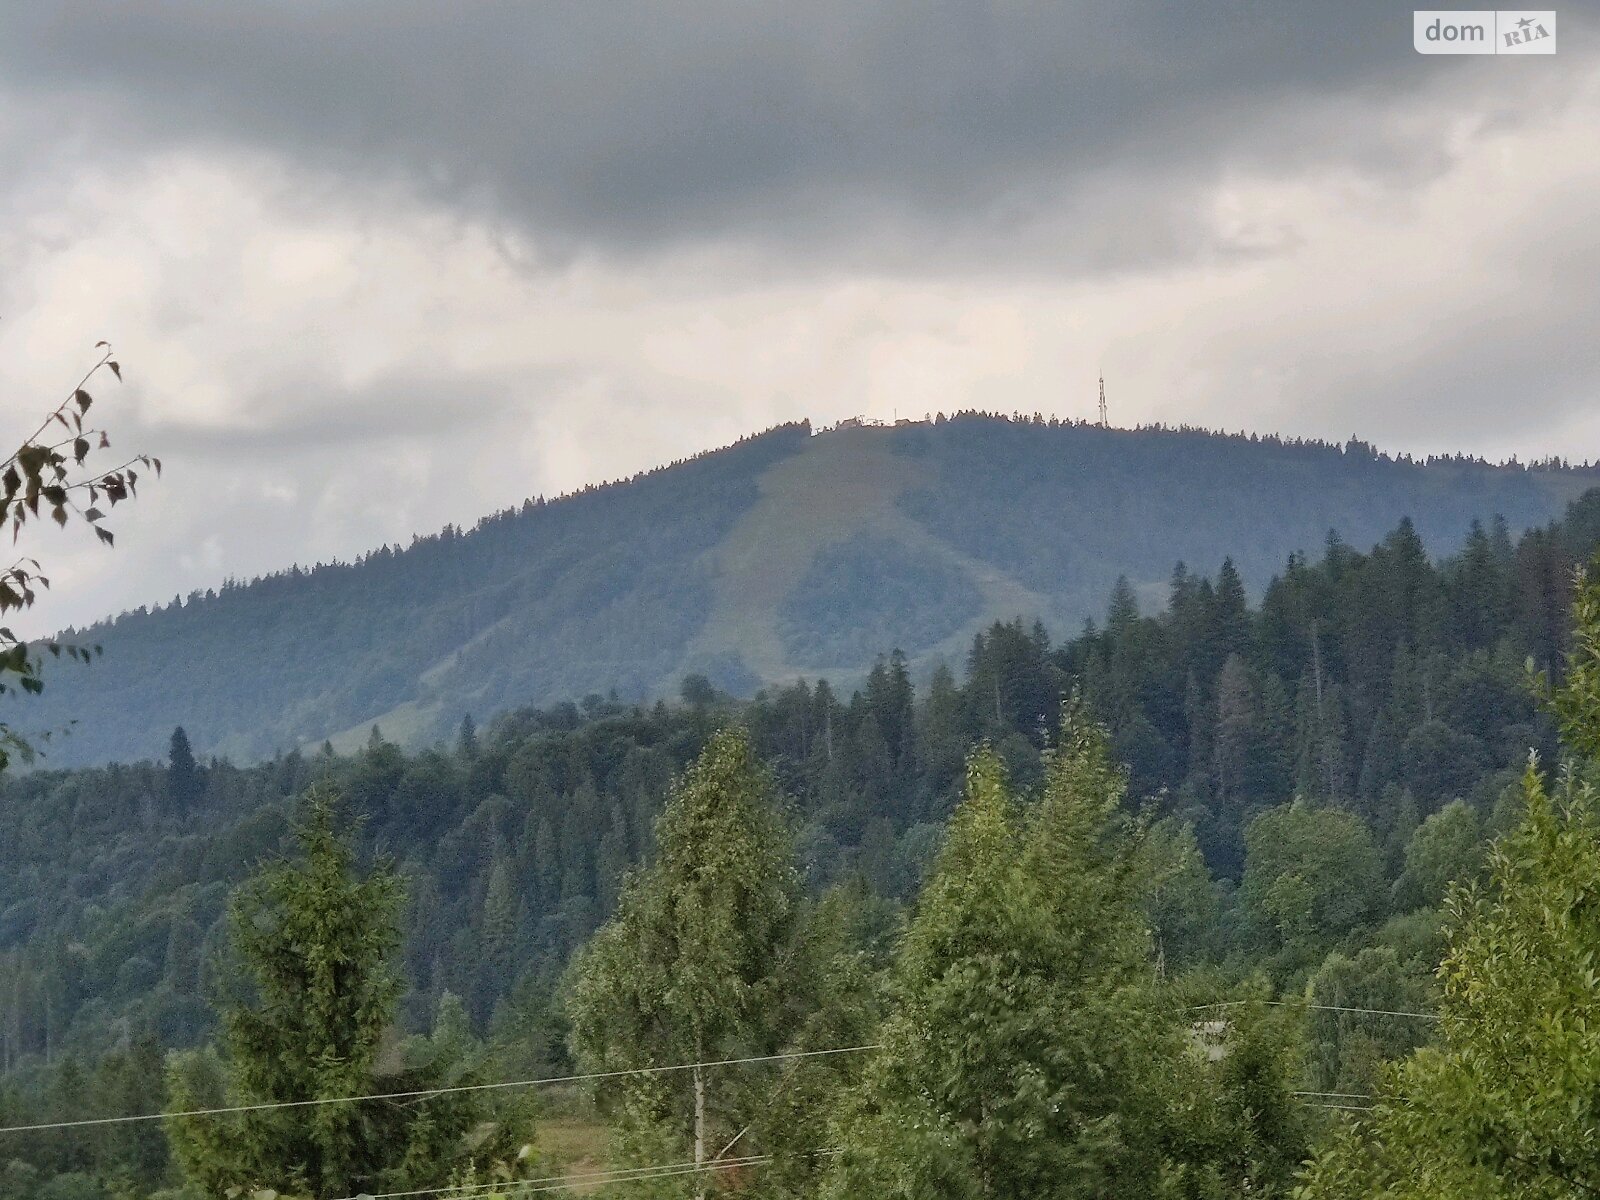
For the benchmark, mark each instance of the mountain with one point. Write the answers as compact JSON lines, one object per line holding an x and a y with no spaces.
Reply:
{"x":791,"y":553}
{"x":1379,"y":686}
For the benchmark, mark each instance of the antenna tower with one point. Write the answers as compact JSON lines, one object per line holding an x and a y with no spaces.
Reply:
{"x":1102,"y":401}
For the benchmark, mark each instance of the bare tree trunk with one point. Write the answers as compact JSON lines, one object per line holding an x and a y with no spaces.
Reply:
{"x":699,"y":1131}
{"x":1316,"y":664}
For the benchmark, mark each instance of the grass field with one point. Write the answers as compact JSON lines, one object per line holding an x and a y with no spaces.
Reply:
{"x":844,"y":482}
{"x":573,"y":1146}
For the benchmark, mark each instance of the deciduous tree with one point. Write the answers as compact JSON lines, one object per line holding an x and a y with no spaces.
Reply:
{"x":687,"y":970}
{"x":50,"y":474}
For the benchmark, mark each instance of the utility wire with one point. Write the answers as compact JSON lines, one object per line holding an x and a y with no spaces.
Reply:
{"x":689,"y":1170}
{"x":552,"y":1183}
{"x":718,"y":1155}
{"x":1375,"y":1012}
{"x":1337,"y":1095}
{"x":429,"y":1093}
{"x":570,"y":1177}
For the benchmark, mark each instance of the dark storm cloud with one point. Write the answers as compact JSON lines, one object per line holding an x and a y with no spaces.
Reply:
{"x":345,"y":248}
{"x":635,"y":125}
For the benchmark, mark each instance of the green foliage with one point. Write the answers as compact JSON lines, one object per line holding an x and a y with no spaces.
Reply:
{"x":833,"y":972}
{"x":1181,"y":901}
{"x":1446,"y":848}
{"x":516,"y":843}
{"x":1441,"y":763}
{"x":868,"y":592}
{"x":600,"y":590}
{"x":612,"y":587}
{"x":185,"y":781}
{"x":1504,"y":1107}
{"x":315,"y":942}
{"x":1577,"y":701}
{"x":1349,"y":1049}
{"x":1234,"y":1125}
{"x":1018,"y":1055}
{"x":1311,"y":875}
{"x":49,"y":470}
{"x":688,"y":968}
{"x":1045,"y":500}
{"x":113,"y":884}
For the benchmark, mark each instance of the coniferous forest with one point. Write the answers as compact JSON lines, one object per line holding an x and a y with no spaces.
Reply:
{"x":1173,"y":907}
{"x":795,"y":553}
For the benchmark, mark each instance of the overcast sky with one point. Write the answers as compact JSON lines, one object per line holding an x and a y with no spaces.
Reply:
{"x":376,"y":267}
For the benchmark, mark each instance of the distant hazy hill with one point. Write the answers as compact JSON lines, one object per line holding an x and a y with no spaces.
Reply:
{"x":787,"y":554}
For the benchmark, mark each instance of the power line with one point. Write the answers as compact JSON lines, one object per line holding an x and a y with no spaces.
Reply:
{"x":639,"y":1175}
{"x":592,"y":1076}
{"x":429,"y":1093}
{"x":563,"y":1185}
{"x":463,"y":1189}
{"x":569,"y":1177}
{"x":1338,"y":1095}
{"x":1337,"y":1100}
{"x":667,"y":1170}
{"x":1375,"y":1012}
{"x":551,"y":1183}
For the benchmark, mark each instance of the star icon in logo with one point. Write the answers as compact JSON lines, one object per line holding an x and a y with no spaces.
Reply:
{"x":1525,"y":22}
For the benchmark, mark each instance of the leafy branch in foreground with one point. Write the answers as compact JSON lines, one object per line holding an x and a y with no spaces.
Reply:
{"x":51,"y":475}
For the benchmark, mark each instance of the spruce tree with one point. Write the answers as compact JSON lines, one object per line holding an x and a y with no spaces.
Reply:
{"x":1504,"y":1105}
{"x":185,"y":784}
{"x":315,"y":940}
{"x":1021,"y":1056}
{"x":498,"y":930}
{"x":1231,"y":613}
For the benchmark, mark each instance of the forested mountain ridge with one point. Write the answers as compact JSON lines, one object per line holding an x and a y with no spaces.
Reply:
{"x":786,"y":555}
{"x":1320,"y":765}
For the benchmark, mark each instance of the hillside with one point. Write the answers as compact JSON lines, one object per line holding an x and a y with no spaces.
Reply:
{"x":519,"y":834}
{"x":786,"y":555}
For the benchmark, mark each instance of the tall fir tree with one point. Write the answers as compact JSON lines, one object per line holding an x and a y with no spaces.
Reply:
{"x":1021,"y":1056}
{"x":315,"y":940}
{"x":185,"y":781}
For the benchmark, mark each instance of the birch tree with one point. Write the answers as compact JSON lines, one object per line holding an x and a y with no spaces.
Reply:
{"x":688,"y":968}
{"x":56,"y":472}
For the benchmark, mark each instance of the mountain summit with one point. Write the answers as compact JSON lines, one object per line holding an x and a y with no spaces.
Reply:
{"x":791,"y":553}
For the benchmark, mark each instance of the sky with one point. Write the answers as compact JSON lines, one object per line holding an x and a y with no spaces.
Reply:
{"x":375,"y":267}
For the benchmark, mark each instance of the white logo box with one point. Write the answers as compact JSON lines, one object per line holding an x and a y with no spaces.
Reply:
{"x":1484,"y":31}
